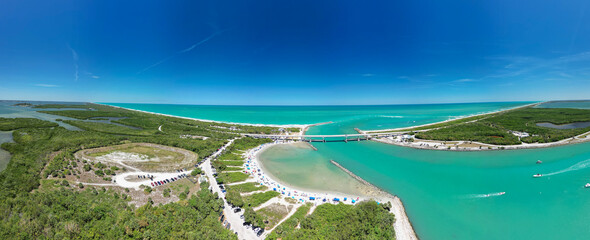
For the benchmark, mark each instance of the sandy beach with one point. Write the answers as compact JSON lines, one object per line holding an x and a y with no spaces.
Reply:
{"x":302,"y":126}
{"x":402,"y":226}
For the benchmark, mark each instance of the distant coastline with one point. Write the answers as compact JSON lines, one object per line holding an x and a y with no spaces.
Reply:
{"x":448,"y":120}
{"x":466,"y":145}
{"x":302,"y":126}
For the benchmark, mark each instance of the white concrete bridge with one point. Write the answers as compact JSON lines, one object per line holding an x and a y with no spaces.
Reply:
{"x":326,"y":138}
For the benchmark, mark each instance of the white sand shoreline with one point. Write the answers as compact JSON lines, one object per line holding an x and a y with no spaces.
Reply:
{"x":448,"y":120}
{"x":402,"y":226}
{"x":213,"y":121}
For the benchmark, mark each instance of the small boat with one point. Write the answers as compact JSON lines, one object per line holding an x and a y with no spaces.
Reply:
{"x":587,"y":185}
{"x":501,"y":193}
{"x":539,"y":161}
{"x":538,"y":175}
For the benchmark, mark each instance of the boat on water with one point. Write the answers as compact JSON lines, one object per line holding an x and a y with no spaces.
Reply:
{"x":539,"y":161}
{"x":538,"y":175}
{"x":587,"y":185}
{"x":501,"y":193}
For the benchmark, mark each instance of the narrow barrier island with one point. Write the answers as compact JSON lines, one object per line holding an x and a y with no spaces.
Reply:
{"x":524,"y":127}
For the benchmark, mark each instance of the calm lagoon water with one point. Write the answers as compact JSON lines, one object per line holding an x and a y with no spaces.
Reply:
{"x":565,"y":126}
{"x":448,"y":195}
{"x":8,"y":110}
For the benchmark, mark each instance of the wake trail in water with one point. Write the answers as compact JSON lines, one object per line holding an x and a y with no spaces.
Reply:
{"x":485,"y":195}
{"x":575,"y":167}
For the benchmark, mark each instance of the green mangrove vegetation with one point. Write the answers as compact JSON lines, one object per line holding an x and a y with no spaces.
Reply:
{"x":8,"y":124}
{"x":498,"y":128}
{"x":366,"y":220}
{"x":34,"y":207}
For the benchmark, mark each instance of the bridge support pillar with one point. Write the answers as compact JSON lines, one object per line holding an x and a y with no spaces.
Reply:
{"x":324,"y":139}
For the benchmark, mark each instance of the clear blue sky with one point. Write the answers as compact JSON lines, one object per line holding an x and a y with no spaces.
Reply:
{"x":294,"y":52}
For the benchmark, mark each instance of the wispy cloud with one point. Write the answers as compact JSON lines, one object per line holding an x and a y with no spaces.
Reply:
{"x":463,"y":80}
{"x":518,"y":66}
{"x":90,"y":75}
{"x":188,"y":49}
{"x":45,"y":85}
{"x":368,"y":75}
{"x":76,"y":67}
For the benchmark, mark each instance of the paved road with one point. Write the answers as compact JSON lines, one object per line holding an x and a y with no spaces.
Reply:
{"x":230,"y":216}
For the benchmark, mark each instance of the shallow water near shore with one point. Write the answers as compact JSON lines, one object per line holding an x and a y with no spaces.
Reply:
{"x":300,"y":166}
{"x":447,"y":195}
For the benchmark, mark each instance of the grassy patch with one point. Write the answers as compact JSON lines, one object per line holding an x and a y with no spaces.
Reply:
{"x":232,"y":163}
{"x":234,"y":169}
{"x":247,"y":187}
{"x":273,"y":214}
{"x":258,"y":199}
{"x":230,"y":156}
{"x":232,"y":177}
{"x":182,"y":185}
{"x":288,"y":226}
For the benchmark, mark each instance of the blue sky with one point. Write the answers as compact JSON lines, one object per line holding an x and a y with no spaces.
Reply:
{"x":294,"y":52}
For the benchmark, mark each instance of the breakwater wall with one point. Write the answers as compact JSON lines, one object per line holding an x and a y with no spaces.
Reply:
{"x":313,"y":125}
{"x":311,"y":146}
{"x":350,"y":173}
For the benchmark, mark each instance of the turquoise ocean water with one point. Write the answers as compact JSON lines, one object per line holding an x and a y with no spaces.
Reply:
{"x":448,"y":195}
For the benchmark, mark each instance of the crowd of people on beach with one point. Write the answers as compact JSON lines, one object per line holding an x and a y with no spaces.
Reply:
{"x":251,"y":166}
